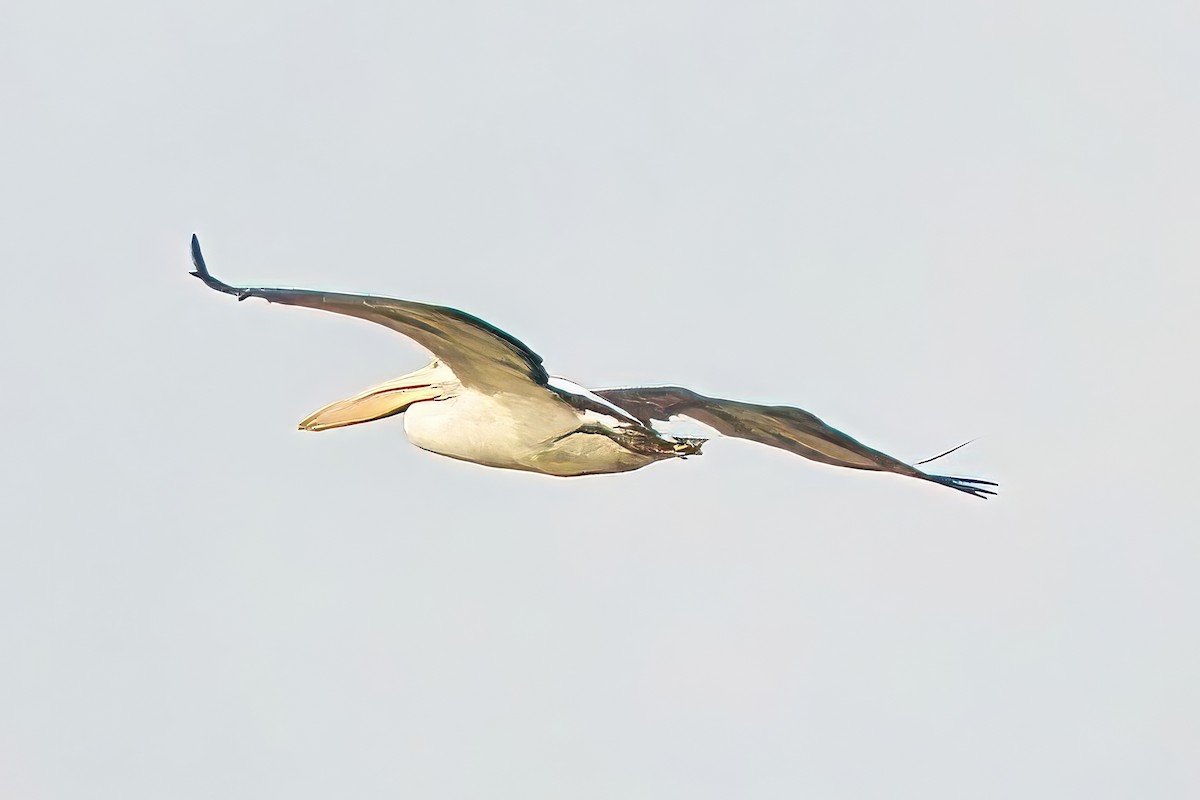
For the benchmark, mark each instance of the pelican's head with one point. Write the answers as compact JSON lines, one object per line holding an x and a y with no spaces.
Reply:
{"x":384,"y":400}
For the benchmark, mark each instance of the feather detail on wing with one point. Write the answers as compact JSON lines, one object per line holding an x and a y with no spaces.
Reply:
{"x":785,"y":427}
{"x":480,"y":354}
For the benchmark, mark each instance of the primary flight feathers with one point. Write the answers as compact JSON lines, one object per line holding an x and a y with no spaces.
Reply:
{"x":486,"y":398}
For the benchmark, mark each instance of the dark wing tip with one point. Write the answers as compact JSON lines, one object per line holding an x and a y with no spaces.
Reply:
{"x":972,"y":486}
{"x":198,"y":258}
{"x":203,"y":274}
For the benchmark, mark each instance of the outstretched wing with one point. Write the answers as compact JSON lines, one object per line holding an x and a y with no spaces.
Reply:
{"x":481,"y":355}
{"x":791,"y":429}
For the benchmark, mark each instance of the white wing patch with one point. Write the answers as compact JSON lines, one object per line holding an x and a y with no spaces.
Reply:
{"x":601,"y":410}
{"x":681,"y":425}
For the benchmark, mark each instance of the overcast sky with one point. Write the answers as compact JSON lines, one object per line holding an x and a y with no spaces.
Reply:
{"x":923,"y":221}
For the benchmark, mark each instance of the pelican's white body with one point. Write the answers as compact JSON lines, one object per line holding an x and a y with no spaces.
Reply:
{"x":515,"y":430}
{"x":513,"y":424}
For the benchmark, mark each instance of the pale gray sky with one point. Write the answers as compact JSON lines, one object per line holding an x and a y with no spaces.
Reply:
{"x":923,"y":221}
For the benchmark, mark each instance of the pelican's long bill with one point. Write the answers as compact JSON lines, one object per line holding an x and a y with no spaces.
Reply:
{"x":486,"y":398}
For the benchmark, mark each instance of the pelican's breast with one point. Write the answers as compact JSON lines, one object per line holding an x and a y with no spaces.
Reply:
{"x":499,"y":430}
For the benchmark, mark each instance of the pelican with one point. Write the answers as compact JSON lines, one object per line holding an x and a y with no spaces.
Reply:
{"x":486,"y":398}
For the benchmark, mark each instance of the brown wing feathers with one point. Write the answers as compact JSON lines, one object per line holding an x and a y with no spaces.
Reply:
{"x":785,"y":427}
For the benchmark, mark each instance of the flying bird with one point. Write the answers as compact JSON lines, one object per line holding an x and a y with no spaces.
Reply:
{"x":486,"y":398}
